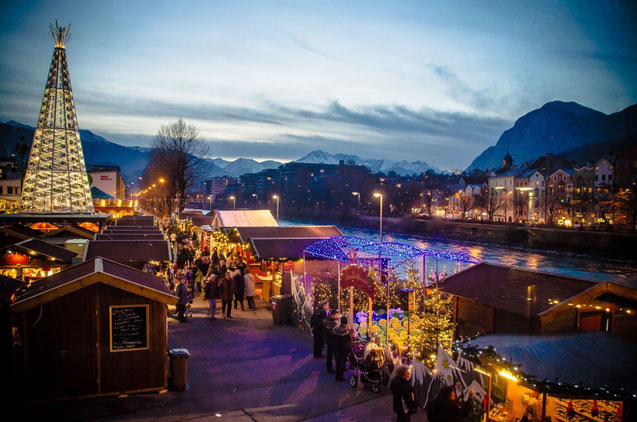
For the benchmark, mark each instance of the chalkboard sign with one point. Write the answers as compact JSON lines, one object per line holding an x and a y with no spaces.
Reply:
{"x":128,"y":327}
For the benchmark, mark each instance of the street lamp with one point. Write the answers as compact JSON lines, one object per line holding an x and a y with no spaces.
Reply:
{"x":234,"y":202}
{"x":162,"y":180}
{"x":380,"y":195}
{"x":277,"y":207}
{"x":359,"y":198}
{"x":210,"y":200}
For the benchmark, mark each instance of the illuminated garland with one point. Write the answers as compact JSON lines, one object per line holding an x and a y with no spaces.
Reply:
{"x":393,"y":254}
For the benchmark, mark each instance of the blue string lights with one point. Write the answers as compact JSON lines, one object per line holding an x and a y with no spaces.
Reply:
{"x":394,"y":254}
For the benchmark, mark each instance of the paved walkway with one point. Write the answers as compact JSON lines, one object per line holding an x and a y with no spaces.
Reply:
{"x":240,"y":369}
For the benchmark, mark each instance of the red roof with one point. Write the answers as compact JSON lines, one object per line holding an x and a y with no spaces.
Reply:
{"x":513,"y":290}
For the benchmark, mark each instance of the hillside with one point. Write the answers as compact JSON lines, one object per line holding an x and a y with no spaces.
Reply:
{"x":557,"y":127}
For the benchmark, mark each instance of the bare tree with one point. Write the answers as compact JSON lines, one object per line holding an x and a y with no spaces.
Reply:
{"x":178,"y":152}
{"x":490,"y":202}
{"x":520,"y":202}
{"x":465,"y":204}
{"x":550,"y":204}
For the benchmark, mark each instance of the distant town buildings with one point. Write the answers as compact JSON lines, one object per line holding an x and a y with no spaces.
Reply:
{"x":109,"y":180}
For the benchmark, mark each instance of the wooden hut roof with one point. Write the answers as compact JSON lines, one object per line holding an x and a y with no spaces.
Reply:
{"x":589,"y":359}
{"x":518,"y":291}
{"x":243,"y":218}
{"x":47,"y":249}
{"x":117,"y":229}
{"x":70,"y":231}
{"x":279,"y":248}
{"x":130,"y":236}
{"x":137,"y":220}
{"x":97,"y":270}
{"x":129,"y":250}
{"x":21,"y":231}
{"x":269,"y":232}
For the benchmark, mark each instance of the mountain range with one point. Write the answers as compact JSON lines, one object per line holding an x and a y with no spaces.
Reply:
{"x":571,"y":130}
{"x":559,"y":127}
{"x":133,"y":160}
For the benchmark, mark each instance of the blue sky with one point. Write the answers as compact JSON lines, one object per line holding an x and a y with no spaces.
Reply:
{"x":436,"y":81}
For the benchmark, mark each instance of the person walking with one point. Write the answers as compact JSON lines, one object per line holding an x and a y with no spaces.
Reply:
{"x":317,"y":324}
{"x":402,"y":392}
{"x":240,"y":288}
{"x":445,"y":408}
{"x":331,"y":321}
{"x":227,"y":292}
{"x":210,"y":294}
{"x":248,"y":280}
{"x":342,"y":346}
{"x":181,"y":291}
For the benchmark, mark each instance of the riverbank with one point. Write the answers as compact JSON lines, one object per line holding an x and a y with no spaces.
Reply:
{"x":602,"y":244}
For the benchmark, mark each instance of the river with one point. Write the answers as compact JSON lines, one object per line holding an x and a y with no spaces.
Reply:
{"x":565,"y":263}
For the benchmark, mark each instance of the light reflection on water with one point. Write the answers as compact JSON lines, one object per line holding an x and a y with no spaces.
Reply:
{"x":566,"y":263}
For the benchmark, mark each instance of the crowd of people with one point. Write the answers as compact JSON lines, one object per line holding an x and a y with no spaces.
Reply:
{"x":217,"y":275}
{"x":333,"y":333}
{"x":225,"y":275}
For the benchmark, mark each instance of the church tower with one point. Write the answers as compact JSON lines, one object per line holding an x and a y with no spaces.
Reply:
{"x":507,"y":162}
{"x":56,"y":180}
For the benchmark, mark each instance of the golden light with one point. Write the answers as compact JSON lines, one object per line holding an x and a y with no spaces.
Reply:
{"x":377,"y":195}
{"x":232,"y":197}
{"x":508,"y":375}
{"x":154,"y":185}
{"x":275,"y":196}
{"x":162,"y":180}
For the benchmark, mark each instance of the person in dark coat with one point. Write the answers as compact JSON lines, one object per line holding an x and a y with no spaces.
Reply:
{"x":331,"y":321}
{"x":445,"y":408}
{"x":181,"y":291}
{"x":342,"y":345}
{"x":317,"y":324}
{"x":226,"y":291}
{"x":240,"y":286}
{"x":402,"y":392}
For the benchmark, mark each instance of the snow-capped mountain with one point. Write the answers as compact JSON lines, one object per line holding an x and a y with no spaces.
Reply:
{"x":402,"y":168}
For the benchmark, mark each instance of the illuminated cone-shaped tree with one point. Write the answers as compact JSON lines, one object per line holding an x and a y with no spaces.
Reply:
{"x":56,"y":179}
{"x":435,"y":327}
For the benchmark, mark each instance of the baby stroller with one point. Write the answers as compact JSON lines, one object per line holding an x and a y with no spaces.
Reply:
{"x":367,"y":369}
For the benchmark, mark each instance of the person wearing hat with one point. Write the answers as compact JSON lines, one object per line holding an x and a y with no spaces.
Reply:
{"x":342,"y":346}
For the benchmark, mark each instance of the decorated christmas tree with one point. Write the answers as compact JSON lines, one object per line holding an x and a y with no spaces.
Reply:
{"x":435,"y":327}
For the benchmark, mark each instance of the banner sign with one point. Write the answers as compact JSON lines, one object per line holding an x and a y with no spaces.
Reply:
{"x":356,"y":276}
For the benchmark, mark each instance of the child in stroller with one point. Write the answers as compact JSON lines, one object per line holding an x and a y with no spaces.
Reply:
{"x":368,"y":361}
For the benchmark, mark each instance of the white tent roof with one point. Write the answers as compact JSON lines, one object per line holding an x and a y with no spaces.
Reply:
{"x":244,"y":218}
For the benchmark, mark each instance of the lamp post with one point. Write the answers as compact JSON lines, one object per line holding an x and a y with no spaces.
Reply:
{"x":277,"y":207}
{"x":358,"y":194}
{"x":210,"y":201}
{"x":380,"y":195}
{"x":256,"y":204}
{"x":234,"y":202}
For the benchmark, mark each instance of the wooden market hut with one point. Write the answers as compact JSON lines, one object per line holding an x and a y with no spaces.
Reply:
{"x":496,"y":299}
{"x":33,"y":258}
{"x":8,"y":286}
{"x":95,"y":329}
{"x":130,"y":236}
{"x":135,"y":253}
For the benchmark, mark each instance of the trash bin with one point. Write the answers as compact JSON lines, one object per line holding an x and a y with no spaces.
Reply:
{"x":280,"y":309}
{"x":178,"y":367}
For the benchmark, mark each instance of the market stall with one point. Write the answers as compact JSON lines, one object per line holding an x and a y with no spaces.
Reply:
{"x":586,"y":376}
{"x":114,"y":339}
